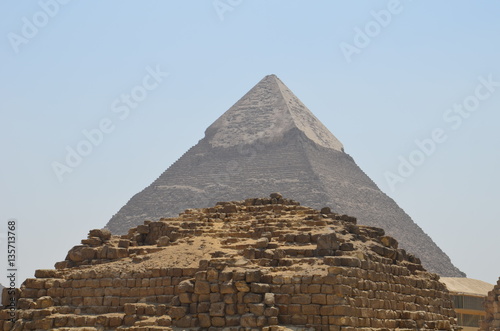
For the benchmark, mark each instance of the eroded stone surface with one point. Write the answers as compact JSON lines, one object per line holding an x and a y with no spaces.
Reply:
{"x":318,"y":271}
{"x":492,"y":305}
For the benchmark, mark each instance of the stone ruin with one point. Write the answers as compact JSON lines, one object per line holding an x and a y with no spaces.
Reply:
{"x":491,"y":321}
{"x":257,"y":264}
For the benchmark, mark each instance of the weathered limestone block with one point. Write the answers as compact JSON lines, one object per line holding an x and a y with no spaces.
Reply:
{"x":253,"y":276}
{"x":327,"y":241}
{"x":143,"y":229}
{"x":491,"y":321}
{"x":242,"y":286}
{"x":92,"y":241}
{"x":177,"y":312}
{"x":103,"y":234}
{"x":185,"y":286}
{"x":44,"y":302}
{"x":81,"y":253}
{"x":163,"y":241}
{"x":202,"y":287}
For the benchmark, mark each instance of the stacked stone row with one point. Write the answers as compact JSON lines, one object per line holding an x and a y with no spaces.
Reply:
{"x":491,"y":321}
{"x":359,"y":279}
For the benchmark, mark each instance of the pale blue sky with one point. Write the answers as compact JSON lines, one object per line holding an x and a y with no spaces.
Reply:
{"x":66,"y":76}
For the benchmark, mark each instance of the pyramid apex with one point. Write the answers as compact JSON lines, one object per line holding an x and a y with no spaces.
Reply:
{"x":266,"y":113}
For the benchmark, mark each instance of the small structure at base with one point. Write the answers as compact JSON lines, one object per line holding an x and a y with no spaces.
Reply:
{"x":468,"y":296}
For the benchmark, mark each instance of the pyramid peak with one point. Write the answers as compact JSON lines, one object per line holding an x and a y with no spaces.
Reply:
{"x":266,"y":113}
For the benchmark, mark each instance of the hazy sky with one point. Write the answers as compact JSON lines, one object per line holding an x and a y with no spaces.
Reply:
{"x":151,"y":76}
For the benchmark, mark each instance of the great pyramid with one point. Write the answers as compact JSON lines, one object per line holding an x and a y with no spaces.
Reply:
{"x":260,"y":264}
{"x":270,"y":142}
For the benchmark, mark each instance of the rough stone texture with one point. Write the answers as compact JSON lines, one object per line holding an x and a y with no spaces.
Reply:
{"x":270,"y":142}
{"x":215,"y":275}
{"x":492,"y":306}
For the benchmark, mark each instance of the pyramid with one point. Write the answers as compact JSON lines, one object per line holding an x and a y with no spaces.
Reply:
{"x":266,"y":264}
{"x":270,"y":142}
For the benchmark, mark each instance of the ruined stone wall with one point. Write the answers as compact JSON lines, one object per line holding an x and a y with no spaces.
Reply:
{"x":272,"y":263}
{"x":492,"y":306}
{"x":353,"y":295}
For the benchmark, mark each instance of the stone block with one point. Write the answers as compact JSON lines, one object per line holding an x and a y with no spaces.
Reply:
{"x":248,"y":320}
{"x":253,"y":276}
{"x":252,"y":298}
{"x":302,"y":299}
{"x":310,"y":309}
{"x":232,"y":321}
{"x":177,"y":312}
{"x":217,"y":309}
{"x":260,"y":288}
{"x":44,"y":302}
{"x":212,"y":275}
{"x":204,"y":320}
{"x":257,"y":309}
{"x":227,"y":288}
{"x":201,"y":287}
{"x":242,"y":286}
{"x":269,"y":299}
{"x":327,"y":242}
{"x":262,"y":243}
{"x":163,"y":241}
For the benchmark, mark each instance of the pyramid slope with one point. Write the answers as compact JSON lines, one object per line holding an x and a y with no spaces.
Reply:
{"x":221,"y":167}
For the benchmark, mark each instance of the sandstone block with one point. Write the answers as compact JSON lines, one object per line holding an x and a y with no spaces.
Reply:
{"x":252,"y":298}
{"x":45,"y":273}
{"x":124,"y":243}
{"x":227,"y":288}
{"x":218,"y":321}
{"x":163,"y":241}
{"x":262,"y":243}
{"x":327,"y":241}
{"x":186,"y":286}
{"x":212,"y":275}
{"x":217,"y":309}
{"x":143,"y":229}
{"x":44,"y":302}
{"x":201,"y":287}
{"x":253,"y":276}
{"x":271,"y":311}
{"x":269,"y":299}
{"x":248,"y":320}
{"x":232,"y":321}
{"x":303,"y":238}
{"x":257,"y":309}
{"x":103,"y":234}
{"x":260,"y":288}
{"x":185,"y":298}
{"x":81,"y":253}
{"x":204,"y":320}
{"x":302,"y":299}
{"x":177,"y":312}
{"x":310,"y":309}
{"x":231,"y":309}
{"x":388,"y":241}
